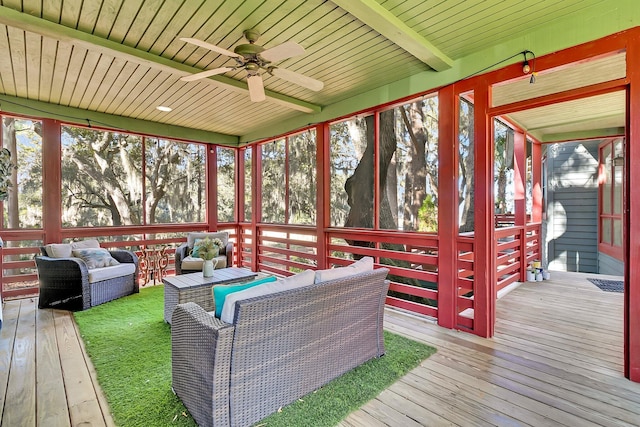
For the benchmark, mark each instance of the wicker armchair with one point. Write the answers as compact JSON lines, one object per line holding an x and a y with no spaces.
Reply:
{"x":185,"y":264}
{"x":67,"y":282}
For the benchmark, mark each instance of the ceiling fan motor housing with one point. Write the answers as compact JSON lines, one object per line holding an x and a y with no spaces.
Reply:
{"x":248,"y":50}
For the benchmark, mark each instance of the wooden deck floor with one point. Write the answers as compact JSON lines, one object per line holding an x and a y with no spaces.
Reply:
{"x":556,"y":359}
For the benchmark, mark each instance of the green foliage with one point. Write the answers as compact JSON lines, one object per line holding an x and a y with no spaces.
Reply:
{"x":226,"y":184}
{"x":130,"y":346}
{"x":23,"y":194}
{"x":103,"y":173}
{"x":273,"y":180}
{"x":209,"y":248}
{"x":295,"y":158}
{"x":428,"y":215}
{"x":6,"y":169}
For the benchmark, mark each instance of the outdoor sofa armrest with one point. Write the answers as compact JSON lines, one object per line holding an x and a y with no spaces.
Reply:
{"x":124,"y":256}
{"x":127,"y":257}
{"x":182,"y":252}
{"x":201,"y":363}
{"x":63,"y":281}
{"x":228,"y":251}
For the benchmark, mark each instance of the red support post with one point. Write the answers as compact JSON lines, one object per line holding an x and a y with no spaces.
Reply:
{"x":632,"y":222}
{"x":256,"y":208}
{"x":484,"y":248}
{"x":323,"y":193}
{"x":447,"y":207}
{"x":51,"y":181}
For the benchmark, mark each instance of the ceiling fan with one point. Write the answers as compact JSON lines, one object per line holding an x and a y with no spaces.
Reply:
{"x":255,"y":60}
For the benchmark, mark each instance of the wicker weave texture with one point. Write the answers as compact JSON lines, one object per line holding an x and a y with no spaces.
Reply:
{"x":108,"y":290}
{"x":288,"y":344}
{"x":200,"y":360}
{"x":173,"y":296}
{"x":64,"y":282}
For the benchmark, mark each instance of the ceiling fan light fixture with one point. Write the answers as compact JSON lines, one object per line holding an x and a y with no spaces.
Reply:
{"x":255,"y":59}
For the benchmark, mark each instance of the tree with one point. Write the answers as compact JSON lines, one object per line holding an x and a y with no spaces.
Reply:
{"x":102,"y":179}
{"x":466,"y":164}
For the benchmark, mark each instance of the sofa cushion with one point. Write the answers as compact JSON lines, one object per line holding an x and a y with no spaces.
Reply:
{"x":106,"y":273}
{"x":193,"y":263}
{"x":360,"y":266}
{"x":58,"y":250}
{"x":83,"y":244}
{"x":296,"y":281}
{"x":220,"y":292}
{"x":95,"y":258}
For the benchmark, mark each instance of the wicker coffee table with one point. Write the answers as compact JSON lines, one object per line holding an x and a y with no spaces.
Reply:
{"x":194,"y":287}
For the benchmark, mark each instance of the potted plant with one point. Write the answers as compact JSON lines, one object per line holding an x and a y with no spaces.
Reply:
{"x":208,"y":250}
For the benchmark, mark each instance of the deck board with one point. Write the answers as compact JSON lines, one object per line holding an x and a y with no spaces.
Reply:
{"x":556,"y":359}
{"x":20,"y":403}
{"x":51,"y":402}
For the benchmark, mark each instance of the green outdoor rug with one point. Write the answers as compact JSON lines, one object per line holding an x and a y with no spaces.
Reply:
{"x":130,"y":346}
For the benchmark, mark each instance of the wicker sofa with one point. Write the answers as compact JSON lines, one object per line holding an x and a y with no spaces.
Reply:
{"x":279,"y":347}
{"x":70,"y":282}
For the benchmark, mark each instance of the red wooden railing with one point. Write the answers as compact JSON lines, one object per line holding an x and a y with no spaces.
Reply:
{"x":412,"y":258}
{"x":516,"y":249}
{"x":19,"y":275}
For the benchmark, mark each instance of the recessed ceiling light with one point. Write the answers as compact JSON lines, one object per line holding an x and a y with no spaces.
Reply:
{"x":163,"y":108}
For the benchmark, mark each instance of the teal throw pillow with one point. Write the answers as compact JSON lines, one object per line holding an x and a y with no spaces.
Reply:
{"x":195,"y":252}
{"x":220,"y":292}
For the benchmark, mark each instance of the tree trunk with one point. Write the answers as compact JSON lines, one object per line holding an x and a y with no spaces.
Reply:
{"x":415,"y":179}
{"x":468,"y":181}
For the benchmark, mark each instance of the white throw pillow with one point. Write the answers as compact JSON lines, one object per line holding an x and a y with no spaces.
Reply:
{"x":85,"y":244}
{"x":58,"y":250}
{"x":360,"y":266}
{"x":296,"y":281}
{"x":95,"y":257}
{"x":222,"y":235}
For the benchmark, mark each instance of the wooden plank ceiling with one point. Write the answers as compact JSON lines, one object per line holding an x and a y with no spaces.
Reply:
{"x":124,"y":57}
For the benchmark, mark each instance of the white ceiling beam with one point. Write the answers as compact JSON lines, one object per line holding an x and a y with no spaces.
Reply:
{"x":388,"y":25}
{"x":32,"y":24}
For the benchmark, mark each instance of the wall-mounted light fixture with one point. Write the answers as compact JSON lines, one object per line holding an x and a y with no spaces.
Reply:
{"x":527,"y":68}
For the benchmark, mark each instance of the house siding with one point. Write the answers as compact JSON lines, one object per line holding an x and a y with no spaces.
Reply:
{"x":572,"y":207}
{"x":610,"y":265}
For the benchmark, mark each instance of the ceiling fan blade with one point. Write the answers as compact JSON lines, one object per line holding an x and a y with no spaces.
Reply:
{"x":205,"y":74}
{"x":282,"y":52}
{"x":256,"y":88}
{"x":297,"y":78}
{"x":210,"y":46}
